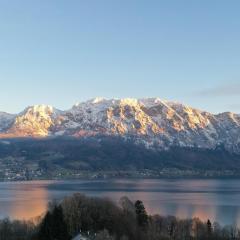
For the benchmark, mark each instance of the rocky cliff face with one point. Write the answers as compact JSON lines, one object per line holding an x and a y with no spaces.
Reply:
{"x":150,"y":121}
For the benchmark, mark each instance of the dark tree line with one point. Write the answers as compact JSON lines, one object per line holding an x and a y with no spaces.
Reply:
{"x":101,"y":219}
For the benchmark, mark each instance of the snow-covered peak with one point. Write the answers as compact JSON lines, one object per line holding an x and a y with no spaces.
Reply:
{"x":150,"y":102}
{"x":35,"y":120}
{"x":98,"y":100}
{"x":6,"y":115}
{"x":5,"y":120}
{"x":150,"y":120}
{"x":91,"y":101}
{"x":42,"y":110}
{"x":128,"y":101}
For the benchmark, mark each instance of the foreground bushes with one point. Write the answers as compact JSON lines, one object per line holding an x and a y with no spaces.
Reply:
{"x":17,"y":230}
{"x":101,"y":219}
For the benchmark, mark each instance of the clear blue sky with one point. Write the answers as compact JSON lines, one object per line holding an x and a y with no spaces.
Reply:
{"x":59,"y":52}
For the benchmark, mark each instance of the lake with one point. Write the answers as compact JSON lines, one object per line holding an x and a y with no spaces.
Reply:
{"x":215,"y":199}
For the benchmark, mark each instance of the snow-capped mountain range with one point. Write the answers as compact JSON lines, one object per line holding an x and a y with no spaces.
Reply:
{"x":151,"y":121}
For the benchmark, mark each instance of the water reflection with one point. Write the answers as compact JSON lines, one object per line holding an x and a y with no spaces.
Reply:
{"x":217,"y":200}
{"x":23,"y":200}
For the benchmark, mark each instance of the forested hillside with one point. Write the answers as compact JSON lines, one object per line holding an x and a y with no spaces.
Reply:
{"x":113,"y":156}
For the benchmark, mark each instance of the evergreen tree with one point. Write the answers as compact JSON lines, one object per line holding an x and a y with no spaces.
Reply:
{"x":142,"y":217}
{"x":59,"y":227}
{"x":209,"y":229}
{"x":45,"y":227}
{"x":53,"y":226}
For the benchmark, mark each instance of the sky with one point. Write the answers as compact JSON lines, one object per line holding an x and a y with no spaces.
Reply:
{"x":60,"y":52}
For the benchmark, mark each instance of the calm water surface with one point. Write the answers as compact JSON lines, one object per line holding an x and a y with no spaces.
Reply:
{"x":218,"y":200}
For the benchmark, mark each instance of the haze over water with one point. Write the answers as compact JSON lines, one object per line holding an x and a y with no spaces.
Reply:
{"x":217,"y":199}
